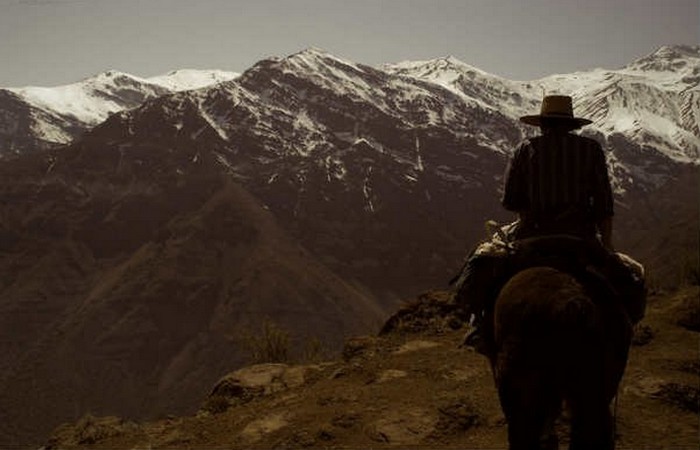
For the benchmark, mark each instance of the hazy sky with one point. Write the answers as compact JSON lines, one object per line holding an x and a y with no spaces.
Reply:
{"x":50,"y":42}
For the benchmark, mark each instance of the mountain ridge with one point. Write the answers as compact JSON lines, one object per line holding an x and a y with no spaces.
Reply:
{"x":381,"y":185}
{"x":44,"y":117}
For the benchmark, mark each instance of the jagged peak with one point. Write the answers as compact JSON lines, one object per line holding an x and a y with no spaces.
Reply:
{"x":112,"y":74}
{"x":677,"y":51}
{"x":453,"y":61}
{"x":446,"y":66}
{"x":313,"y":51}
{"x":445,"y":62}
{"x":312,"y":56}
{"x":668,"y":58}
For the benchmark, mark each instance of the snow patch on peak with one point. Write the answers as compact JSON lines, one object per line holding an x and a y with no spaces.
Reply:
{"x":74,"y":100}
{"x":668,"y":63}
{"x":314,"y":51}
{"x":108,"y":75}
{"x":677,"y":51}
{"x":188,"y":79}
{"x":95,"y":98}
{"x":426,"y":67}
{"x":328,"y":71}
{"x":315,"y":58}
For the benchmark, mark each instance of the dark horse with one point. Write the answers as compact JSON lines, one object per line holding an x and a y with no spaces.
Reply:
{"x":557,"y":343}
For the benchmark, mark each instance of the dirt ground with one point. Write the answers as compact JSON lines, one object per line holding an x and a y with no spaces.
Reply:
{"x":416,"y":388}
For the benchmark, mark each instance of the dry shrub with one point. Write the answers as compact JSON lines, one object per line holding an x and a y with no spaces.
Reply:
{"x":271,"y":345}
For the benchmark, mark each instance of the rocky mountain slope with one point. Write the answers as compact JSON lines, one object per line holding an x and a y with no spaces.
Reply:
{"x":33,"y":118}
{"x":413,"y":387}
{"x":367,"y":166}
{"x":651,"y":104}
{"x":126,"y":289}
{"x":311,"y":190}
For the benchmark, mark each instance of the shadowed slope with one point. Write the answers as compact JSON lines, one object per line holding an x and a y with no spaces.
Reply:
{"x":123,"y":287}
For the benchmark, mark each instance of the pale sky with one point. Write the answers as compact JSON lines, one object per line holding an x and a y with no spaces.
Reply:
{"x":51,"y":42}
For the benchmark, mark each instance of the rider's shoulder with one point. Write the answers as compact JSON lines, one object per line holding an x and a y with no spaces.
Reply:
{"x":526,"y":143}
{"x":588,"y":141}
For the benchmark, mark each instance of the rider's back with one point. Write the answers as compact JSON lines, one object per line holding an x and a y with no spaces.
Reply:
{"x":558,"y":183}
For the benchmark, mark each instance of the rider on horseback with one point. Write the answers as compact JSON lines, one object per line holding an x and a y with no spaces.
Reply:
{"x":558,"y":185}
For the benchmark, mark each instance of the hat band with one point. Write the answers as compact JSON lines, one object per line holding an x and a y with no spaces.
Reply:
{"x":558,"y":114}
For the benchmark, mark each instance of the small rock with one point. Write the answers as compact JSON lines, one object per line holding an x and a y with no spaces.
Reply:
{"x":457,"y":416}
{"x":359,"y":346}
{"x":681,"y":395}
{"x":347,"y":420}
{"x":338,"y":373}
{"x":216,"y":404}
{"x":391,"y":374}
{"x":257,"y":429}
{"x":498,"y":421}
{"x":643,"y":334}
{"x":259,"y":380}
{"x":432,"y":311}
{"x":91,"y":430}
{"x":647,"y":386}
{"x":325,"y":434}
{"x":460,"y":374}
{"x":404,"y":427}
{"x":302,"y":439}
{"x":416,"y":345}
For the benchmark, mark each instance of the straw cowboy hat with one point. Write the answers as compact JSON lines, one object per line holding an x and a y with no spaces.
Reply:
{"x":557,"y":107}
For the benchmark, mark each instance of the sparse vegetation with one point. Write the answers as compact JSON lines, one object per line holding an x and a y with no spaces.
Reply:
{"x":274,"y":344}
{"x":314,"y":351}
{"x":271,"y":345}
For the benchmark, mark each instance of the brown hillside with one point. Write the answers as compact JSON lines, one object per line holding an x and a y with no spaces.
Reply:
{"x":413,"y":387}
{"x":661,"y":229}
{"x":127,"y":295}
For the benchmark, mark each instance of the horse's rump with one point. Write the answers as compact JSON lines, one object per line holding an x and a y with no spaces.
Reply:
{"x":555,"y":341}
{"x":546,"y":317}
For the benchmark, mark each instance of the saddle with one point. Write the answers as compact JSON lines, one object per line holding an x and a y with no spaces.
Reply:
{"x":605,"y":275}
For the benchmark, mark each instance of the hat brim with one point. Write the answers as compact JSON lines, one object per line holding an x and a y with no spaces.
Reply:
{"x":536,"y":120}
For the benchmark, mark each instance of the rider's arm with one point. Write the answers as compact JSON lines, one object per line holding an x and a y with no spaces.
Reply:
{"x":515,"y":182}
{"x":605,"y":228}
{"x":602,"y":198}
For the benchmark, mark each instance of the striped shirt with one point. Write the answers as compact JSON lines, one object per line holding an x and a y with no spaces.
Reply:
{"x":559,"y":181}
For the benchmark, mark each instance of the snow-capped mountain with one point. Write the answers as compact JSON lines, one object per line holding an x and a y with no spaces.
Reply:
{"x":309,"y":183}
{"x":188,"y":79}
{"x":653,"y":96}
{"x":512,"y":98}
{"x":652,"y":103}
{"x":328,"y":144}
{"x":32,"y":118}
